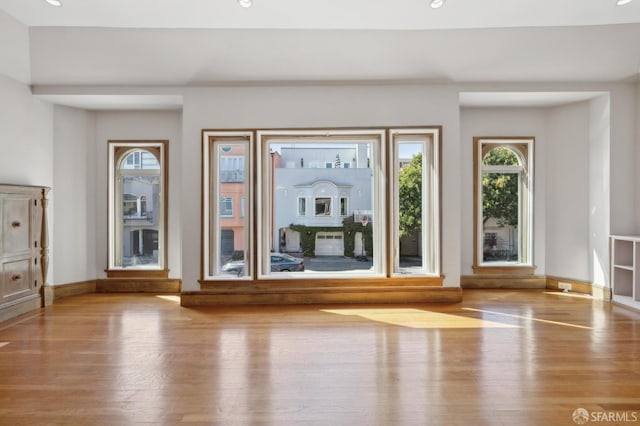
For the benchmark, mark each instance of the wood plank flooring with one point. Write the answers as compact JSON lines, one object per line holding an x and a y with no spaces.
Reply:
{"x":498,"y":358}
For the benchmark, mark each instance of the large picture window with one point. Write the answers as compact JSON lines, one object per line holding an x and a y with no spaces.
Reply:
{"x":503,"y":182}
{"x":137,"y":206}
{"x":329,"y":203}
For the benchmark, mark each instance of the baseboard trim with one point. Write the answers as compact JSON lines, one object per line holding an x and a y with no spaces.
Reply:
{"x":138,"y":285}
{"x":549,"y":282}
{"x":504,"y":281}
{"x":579,"y":286}
{"x":61,"y":291}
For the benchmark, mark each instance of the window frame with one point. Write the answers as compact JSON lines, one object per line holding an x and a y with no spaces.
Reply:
{"x":377,"y":138}
{"x":431,"y":240}
{"x":211,"y":253}
{"x":523,"y":147}
{"x":118,"y":151}
{"x":301,"y":202}
{"x":259,"y":201}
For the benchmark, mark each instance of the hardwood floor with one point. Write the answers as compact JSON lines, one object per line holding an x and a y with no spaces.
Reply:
{"x":498,"y":358}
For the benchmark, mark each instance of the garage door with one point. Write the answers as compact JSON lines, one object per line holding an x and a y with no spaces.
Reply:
{"x":329,"y":244}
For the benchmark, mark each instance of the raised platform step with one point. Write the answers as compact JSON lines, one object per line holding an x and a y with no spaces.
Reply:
{"x":138,"y":285}
{"x":263,"y":294}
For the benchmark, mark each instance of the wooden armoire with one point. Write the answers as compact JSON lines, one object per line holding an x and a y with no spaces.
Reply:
{"x":24,"y":249}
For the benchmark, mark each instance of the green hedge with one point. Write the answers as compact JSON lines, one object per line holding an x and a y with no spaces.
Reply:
{"x":349,"y":229}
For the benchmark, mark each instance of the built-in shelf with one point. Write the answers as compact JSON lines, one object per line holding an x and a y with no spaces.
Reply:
{"x":625,"y":270}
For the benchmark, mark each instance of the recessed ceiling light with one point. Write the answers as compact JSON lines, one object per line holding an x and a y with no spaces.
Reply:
{"x":436,"y":4}
{"x":245,"y":3}
{"x":54,"y":2}
{"x":622,"y":2}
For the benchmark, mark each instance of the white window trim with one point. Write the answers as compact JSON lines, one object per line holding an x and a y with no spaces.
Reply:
{"x":298,"y":212}
{"x":430,"y":139}
{"x":211,"y":220}
{"x":346,"y":204}
{"x":377,"y":139}
{"x":525,"y":171}
{"x":115,"y":205}
{"x":315,"y":204}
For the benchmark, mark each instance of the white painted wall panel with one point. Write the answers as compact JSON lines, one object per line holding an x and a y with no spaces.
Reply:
{"x":309,"y":107}
{"x":487,"y":122}
{"x":142,"y":125}
{"x":14,"y":45}
{"x":75,"y":187}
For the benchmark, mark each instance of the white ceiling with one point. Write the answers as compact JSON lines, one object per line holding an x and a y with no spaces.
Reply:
{"x":172,"y":43}
{"x":321,"y":14}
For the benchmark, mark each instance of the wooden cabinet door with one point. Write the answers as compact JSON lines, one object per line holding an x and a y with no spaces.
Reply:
{"x":16,"y":235}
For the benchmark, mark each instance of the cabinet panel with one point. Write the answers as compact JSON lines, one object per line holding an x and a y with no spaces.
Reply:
{"x":16,"y":224}
{"x":15,"y":279}
{"x":24,"y":250}
{"x":623,"y":282}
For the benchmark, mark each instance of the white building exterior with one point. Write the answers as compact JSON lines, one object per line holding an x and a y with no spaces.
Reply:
{"x":320,"y":187}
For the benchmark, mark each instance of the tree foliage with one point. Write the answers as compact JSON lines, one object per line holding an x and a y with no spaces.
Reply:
{"x":500,"y":190}
{"x":410,"y":196}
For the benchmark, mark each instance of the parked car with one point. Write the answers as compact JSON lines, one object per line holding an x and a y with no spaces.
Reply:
{"x":235,"y":267}
{"x":280,"y":262}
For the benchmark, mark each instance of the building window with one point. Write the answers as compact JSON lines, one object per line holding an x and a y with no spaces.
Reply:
{"x":323,"y":206}
{"x":137,"y":206}
{"x":231,"y":169}
{"x":226,"y":207}
{"x":302,"y":206}
{"x":503,"y":181}
{"x":344,"y":206}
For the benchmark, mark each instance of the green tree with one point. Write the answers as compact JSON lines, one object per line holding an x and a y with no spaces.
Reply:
{"x":500,"y":190}
{"x":410,"y":196}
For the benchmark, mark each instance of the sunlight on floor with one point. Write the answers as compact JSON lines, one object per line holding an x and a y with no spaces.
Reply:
{"x":3,"y":344}
{"x":563,"y":294}
{"x":175,"y":299}
{"x":566,"y":324}
{"x":417,"y":318}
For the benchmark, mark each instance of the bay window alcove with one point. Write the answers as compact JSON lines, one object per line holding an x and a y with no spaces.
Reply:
{"x":332,"y":214}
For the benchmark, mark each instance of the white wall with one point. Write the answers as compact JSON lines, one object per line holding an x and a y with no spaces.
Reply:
{"x":14,"y":45}
{"x":600,"y":171}
{"x":637,"y":184}
{"x":142,"y":125}
{"x":487,"y":122}
{"x":309,"y":106}
{"x":568,"y":251}
{"x":26,"y":143}
{"x":623,"y":149}
{"x":75,"y":161}
{"x":26,"y":136}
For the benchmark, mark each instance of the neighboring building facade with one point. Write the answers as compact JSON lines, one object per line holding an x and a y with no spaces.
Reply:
{"x":233,"y":201}
{"x":140,"y":174}
{"x":319,"y":187}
